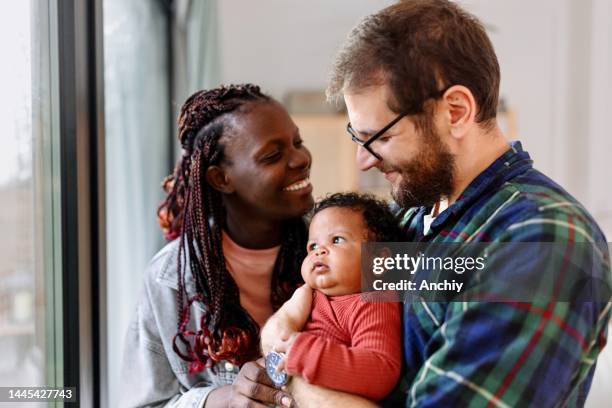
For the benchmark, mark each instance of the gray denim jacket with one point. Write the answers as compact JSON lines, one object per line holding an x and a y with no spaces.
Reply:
{"x":152,"y":375}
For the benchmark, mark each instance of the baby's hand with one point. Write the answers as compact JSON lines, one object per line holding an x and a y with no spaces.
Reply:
{"x":281,"y":365}
{"x":283,"y":345}
{"x":282,"y":328}
{"x":277,"y":336}
{"x":297,"y":308}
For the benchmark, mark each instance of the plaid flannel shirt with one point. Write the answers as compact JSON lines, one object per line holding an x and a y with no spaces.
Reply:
{"x":512,"y":353}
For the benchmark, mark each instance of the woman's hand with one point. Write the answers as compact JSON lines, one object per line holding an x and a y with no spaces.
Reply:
{"x":253,"y":388}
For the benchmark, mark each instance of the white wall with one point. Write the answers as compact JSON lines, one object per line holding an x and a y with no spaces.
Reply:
{"x":556,"y":57}
{"x":532,"y":43}
{"x":285,"y":44}
{"x":599,"y":146}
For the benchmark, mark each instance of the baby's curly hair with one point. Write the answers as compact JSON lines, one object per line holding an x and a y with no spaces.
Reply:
{"x":377,"y":214}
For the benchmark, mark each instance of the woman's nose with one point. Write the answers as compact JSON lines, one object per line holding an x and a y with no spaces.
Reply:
{"x":300,"y":158}
{"x":365,"y":159}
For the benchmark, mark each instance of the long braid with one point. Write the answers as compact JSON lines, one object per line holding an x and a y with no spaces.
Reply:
{"x":291,"y":254}
{"x":193,"y":211}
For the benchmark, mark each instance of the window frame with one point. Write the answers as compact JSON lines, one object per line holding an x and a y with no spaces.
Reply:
{"x":80,"y":103}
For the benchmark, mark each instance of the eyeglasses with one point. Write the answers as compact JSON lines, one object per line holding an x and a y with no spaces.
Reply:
{"x":367,"y":143}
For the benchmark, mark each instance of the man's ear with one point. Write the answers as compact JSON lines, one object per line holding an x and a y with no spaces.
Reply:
{"x":461,"y":107}
{"x":219,"y":180}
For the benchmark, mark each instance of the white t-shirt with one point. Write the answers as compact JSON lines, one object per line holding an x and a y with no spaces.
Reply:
{"x":435,"y":211}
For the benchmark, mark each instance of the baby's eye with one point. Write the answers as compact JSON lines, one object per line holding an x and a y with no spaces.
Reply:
{"x":311,"y":247}
{"x":338,"y":239}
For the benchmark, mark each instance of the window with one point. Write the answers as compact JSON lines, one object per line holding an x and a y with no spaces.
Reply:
{"x":30,"y":327}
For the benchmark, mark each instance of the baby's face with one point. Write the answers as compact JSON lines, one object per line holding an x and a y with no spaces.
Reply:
{"x":333,"y":263}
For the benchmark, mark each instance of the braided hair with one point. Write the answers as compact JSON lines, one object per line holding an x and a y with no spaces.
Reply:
{"x":194,"y":213}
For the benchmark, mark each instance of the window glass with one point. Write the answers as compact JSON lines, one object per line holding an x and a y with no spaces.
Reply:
{"x":29,"y":248}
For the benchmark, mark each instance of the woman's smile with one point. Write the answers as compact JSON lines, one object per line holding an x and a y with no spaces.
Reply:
{"x":300,"y":185}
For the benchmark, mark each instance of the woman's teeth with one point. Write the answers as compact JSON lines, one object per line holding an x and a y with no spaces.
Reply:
{"x":298,"y":185}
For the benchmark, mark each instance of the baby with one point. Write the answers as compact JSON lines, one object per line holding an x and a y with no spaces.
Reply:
{"x":348,"y":343}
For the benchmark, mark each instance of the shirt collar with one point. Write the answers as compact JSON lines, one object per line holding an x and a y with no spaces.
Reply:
{"x":513,"y":162}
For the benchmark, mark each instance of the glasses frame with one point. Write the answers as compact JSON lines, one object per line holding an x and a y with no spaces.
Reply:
{"x":366,"y":143}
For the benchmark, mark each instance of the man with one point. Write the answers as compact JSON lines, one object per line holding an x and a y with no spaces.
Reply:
{"x":420,"y":80}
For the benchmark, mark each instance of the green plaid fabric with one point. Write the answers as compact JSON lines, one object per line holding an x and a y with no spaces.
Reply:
{"x":508,"y":354}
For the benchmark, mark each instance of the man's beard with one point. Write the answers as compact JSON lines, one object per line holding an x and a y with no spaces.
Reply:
{"x":429,"y":176}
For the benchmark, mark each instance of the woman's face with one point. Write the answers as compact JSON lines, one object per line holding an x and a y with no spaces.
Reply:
{"x":266,"y":165}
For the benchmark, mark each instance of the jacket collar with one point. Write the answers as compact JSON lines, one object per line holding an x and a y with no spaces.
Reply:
{"x":168,"y":271}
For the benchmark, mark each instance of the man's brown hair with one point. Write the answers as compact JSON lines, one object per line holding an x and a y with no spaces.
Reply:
{"x":418,"y":48}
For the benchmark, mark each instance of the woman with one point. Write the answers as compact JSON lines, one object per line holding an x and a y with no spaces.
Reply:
{"x":234,"y":210}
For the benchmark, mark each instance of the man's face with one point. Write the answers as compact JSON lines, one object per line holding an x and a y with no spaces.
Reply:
{"x":417,"y":163}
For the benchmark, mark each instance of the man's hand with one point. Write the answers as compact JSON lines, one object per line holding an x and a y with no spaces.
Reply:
{"x":307,"y":395}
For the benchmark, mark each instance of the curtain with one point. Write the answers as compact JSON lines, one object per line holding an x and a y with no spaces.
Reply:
{"x":137,"y":114}
{"x":195,"y":48}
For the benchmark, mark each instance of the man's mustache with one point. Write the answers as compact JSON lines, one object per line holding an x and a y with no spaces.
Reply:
{"x":386,"y":168}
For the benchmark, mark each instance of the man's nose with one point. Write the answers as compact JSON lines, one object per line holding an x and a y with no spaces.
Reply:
{"x":365,"y":159}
